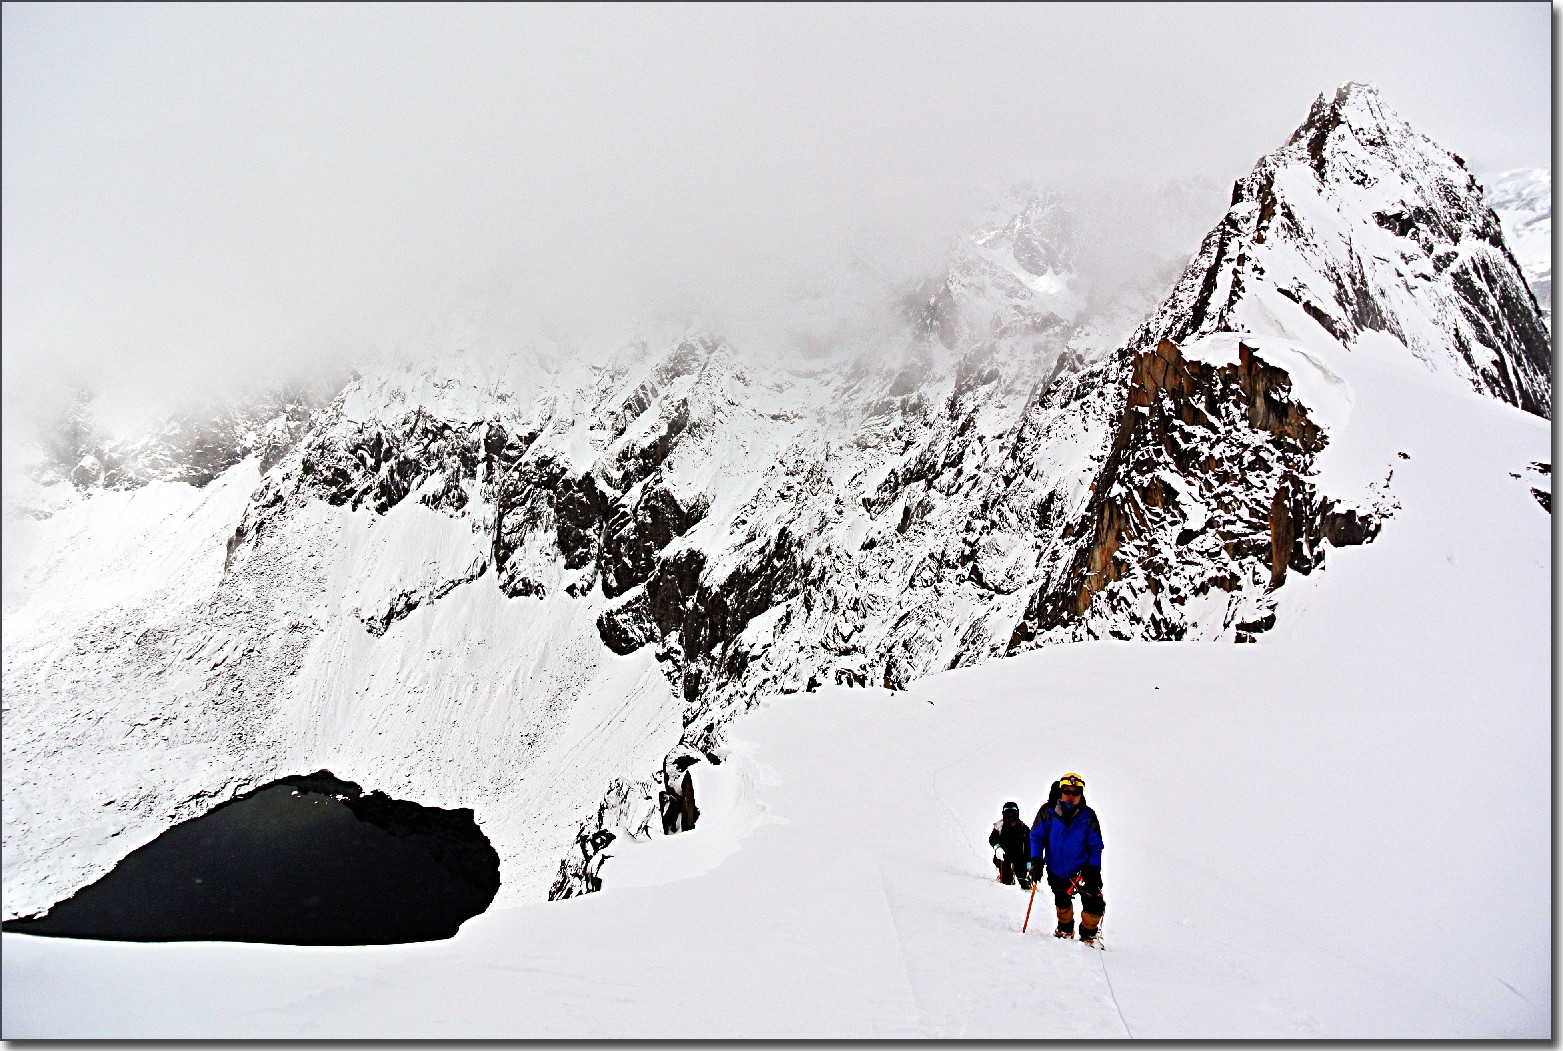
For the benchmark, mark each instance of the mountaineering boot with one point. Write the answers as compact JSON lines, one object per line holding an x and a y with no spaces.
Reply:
{"x":1066,"y":923}
{"x":1089,"y":923}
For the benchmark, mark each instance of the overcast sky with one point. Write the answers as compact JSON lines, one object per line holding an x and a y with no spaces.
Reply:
{"x":199,"y":192}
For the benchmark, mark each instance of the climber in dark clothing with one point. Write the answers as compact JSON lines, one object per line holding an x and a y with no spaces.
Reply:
{"x":1066,"y":845}
{"x":1013,"y":839}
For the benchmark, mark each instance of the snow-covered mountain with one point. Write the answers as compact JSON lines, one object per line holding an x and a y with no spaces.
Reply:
{"x":1359,"y":224}
{"x":195,"y":446}
{"x":1523,"y":200}
{"x":520,"y":582}
{"x":1293,"y":831}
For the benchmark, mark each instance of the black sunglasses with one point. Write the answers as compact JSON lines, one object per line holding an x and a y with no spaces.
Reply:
{"x":1069,"y":791}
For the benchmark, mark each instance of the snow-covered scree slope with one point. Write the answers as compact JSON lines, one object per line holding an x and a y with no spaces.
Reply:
{"x":1342,"y":831}
{"x":518,"y":582}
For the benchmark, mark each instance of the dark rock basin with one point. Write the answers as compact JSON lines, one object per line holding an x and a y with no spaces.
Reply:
{"x":302,"y":861}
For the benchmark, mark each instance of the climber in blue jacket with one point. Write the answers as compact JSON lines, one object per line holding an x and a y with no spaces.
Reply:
{"x":1066,"y":847}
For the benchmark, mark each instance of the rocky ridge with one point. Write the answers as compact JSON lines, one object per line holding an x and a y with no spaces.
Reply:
{"x":1362,"y":224}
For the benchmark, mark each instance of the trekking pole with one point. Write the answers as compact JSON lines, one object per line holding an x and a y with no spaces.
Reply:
{"x":1030,"y":903}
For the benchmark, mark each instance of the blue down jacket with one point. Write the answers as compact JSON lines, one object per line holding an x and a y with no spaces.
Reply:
{"x":1066,"y":843}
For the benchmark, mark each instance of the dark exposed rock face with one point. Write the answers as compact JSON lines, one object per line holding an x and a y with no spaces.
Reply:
{"x":636,"y":533}
{"x":378,"y":464}
{"x":1207,"y":486}
{"x":404,"y":602}
{"x":1538,"y":478}
{"x":626,"y":810}
{"x":697,"y":618}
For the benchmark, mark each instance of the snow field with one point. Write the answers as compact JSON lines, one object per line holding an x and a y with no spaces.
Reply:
{"x":116,"y":568}
{"x":856,"y":896}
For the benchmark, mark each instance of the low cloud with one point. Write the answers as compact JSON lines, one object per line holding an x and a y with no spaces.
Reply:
{"x":204,"y":199}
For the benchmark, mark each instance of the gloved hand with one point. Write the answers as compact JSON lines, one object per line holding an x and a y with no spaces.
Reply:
{"x":1091,"y":879}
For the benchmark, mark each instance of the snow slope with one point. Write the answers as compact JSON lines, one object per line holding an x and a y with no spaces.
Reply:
{"x":510,"y":707}
{"x":1341,"y":831}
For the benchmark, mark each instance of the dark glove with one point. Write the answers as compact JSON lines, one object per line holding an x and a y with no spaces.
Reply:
{"x":1091,"y":879}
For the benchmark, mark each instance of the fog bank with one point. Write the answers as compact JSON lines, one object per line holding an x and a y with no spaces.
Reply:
{"x":209,"y":197}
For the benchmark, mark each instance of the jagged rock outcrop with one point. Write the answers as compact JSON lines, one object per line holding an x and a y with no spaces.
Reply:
{"x":626,"y":810}
{"x":1357,"y":224}
{"x":1207,"y":487}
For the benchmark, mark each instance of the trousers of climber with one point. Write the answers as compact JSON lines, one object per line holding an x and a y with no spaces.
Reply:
{"x":1066,"y":848}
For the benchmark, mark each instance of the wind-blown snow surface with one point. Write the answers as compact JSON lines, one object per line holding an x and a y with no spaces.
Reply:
{"x":1341,"y":831}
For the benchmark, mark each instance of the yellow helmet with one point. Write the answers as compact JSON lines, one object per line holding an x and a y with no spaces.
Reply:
{"x":1072,"y":781}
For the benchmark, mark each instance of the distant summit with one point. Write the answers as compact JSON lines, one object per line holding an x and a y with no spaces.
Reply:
{"x":1359,"y":223}
{"x":1523,"y":200}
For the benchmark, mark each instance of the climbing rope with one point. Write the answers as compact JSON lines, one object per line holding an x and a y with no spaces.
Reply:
{"x":1110,"y":991}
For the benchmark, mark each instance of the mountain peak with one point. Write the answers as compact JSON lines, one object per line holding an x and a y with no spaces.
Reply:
{"x":1360,"y":223}
{"x":1356,"y":105}
{"x":1358,"y":93}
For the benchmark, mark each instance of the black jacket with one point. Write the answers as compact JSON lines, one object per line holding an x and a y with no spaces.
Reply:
{"x":1015,"y":839}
